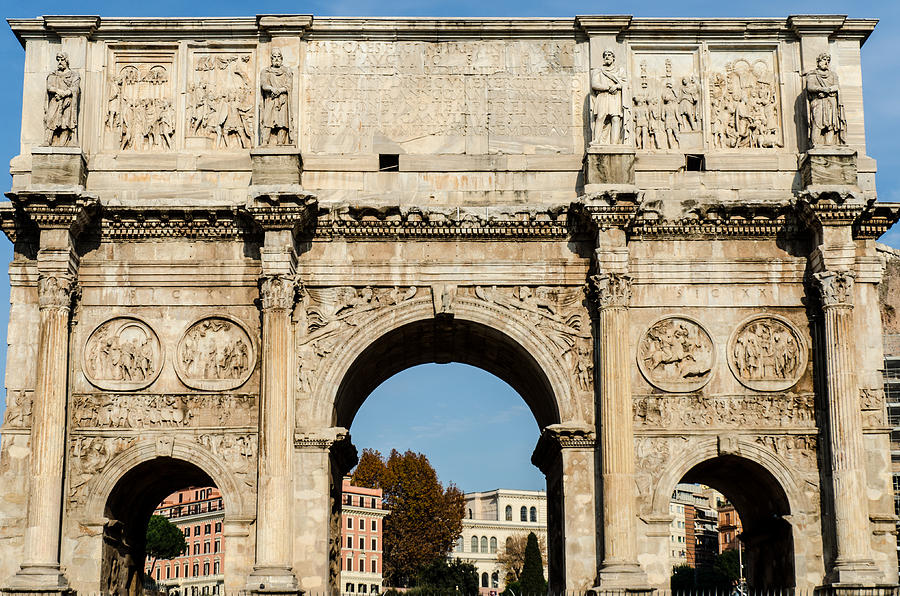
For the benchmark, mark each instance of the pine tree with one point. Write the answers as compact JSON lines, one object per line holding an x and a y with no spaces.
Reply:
{"x":532,"y":582}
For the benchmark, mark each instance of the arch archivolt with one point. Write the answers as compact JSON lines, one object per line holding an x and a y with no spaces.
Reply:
{"x":662,"y":462}
{"x":235,"y":496}
{"x":550,"y":324}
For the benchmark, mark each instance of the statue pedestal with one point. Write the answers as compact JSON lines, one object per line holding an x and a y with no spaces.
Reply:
{"x":828,"y":166}
{"x":275,"y":165}
{"x":607,"y":164}
{"x":58,"y":166}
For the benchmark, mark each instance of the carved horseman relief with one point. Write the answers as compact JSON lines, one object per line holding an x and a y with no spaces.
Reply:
{"x":676,"y":354}
{"x":215,"y":354}
{"x":122,"y":354}
{"x":767,"y":354}
{"x":666,"y":102}
{"x":61,"y":103}
{"x":326,"y":317}
{"x":140,"y":114}
{"x":220,"y":101}
{"x":744,"y":101}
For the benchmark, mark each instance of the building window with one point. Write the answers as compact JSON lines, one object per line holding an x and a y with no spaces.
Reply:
{"x":495,"y":579}
{"x":533,"y":514}
{"x":508,"y":542}
{"x":474,"y":544}
{"x":196,"y":530}
{"x":374,"y":565}
{"x":362,"y":588}
{"x":350,"y":523}
{"x":362,"y":543}
{"x":461,"y":545}
{"x":217,"y":545}
{"x":362,"y":564}
{"x":206,"y":568}
{"x":348,"y":588}
{"x":206,"y":547}
{"x":349,"y":541}
{"x":493,"y":544}
{"x":470,"y":514}
{"x":157,"y":573}
{"x":362,"y":524}
{"x":185,"y":569}
{"x":484,"y":544}
{"x":168,"y":572}
{"x":187,"y":532}
{"x":349,"y":564}
{"x":374,"y":525}
{"x":484,"y":580}
{"x":523,"y":514}
{"x":177,"y":569}
{"x":509,"y":513}
{"x":196,"y":569}
{"x":374,"y":588}
{"x":207,"y":528}
{"x":218,"y":527}
{"x":196,"y":548}
{"x":374,"y":544}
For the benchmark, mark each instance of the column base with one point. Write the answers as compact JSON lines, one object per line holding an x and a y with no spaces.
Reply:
{"x":622,"y":578}
{"x":856,"y":590}
{"x":850,"y":574}
{"x":273,"y":580}
{"x":36,"y":580}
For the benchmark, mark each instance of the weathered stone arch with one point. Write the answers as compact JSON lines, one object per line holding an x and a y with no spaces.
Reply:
{"x":104,"y":483}
{"x":542,"y":382}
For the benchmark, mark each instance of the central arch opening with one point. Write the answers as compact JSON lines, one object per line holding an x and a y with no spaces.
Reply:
{"x":447,"y":413}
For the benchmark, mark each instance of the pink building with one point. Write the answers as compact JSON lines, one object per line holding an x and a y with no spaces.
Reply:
{"x":198,"y":513}
{"x":362,"y":520}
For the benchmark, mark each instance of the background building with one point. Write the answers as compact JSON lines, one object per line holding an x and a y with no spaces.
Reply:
{"x":492,"y":518}
{"x":729,"y":527}
{"x":362,"y":521}
{"x":889,"y":294}
{"x":198,"y":513}
{"x":694,"y":530}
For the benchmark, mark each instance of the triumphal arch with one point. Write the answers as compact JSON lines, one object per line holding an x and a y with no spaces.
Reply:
{"x":228,"y":231}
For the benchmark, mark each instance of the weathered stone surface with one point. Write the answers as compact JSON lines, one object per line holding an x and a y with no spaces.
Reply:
{"x":620,"y":217}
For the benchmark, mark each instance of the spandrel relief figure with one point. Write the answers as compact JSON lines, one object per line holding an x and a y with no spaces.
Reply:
{"x":220,"y":101}
{"x":61,"y":104}
{"x":744,"y":106}
{"x":140,"y":114}
{"x":826,"y":113}
{"x":276,"y":84}
{"x":606,"y":102}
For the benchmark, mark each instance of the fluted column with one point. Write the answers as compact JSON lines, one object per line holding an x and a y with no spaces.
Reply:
{"x":611,"y":294}
{"x":273,"y":569}
{"x":40,"y":569}
{"x":853,"y":563}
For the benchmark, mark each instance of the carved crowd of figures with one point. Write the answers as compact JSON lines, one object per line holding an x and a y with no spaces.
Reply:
{"x":141,"y":111}
{"x":220,"y":100}
{"x":725,"y":411}
{"x":766,"y":349}
{"x":132,"y":411}
{"x":744,"y":106}
{"x":117,"y":357}
{"x":215,"y":349}
{"x":663,"y":108}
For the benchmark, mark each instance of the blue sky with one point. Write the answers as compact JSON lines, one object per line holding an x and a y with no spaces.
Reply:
{"x":474,"y":427}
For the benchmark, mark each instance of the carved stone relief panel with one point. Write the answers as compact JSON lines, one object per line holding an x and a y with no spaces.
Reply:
{"x":725,"y":411}
{"x":666,"y":100}
{"x":238,"y":451}
{"x":503,"y":95}
{"x":140,"y":101}
{"x":215,"y":354}
{"x":326,"y":317}
{"x":18,"y":409}
{"x":872,"y":404}
{"x":122,"y":354}
{"x":676,"y":354}
{"x":767,"y":353}
{"x":220,"y":99}
{"x":162,"y":410}
{"x":798,"y":450}
{"x":744,"y":99}
{"x":88,"y":457}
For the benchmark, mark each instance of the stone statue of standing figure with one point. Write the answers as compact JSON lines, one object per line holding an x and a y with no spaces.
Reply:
{"x":276,"y":84}
{"x":826,"y":114}
{"x":606,"y":104}
{"x":61,"y":104}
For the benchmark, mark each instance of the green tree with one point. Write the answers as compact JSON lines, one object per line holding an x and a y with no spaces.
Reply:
{"x":682,"y":578}
{"x":447,"y":576}
{"x":164,"y":540}
{"x":425,"y":518}
{"x":512,"y":557}
{"x":532,"y":581}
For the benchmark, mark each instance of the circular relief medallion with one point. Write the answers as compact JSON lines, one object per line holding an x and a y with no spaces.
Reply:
{"x":122,"y":354}
{"x":766,"y":353}
{"x":215,"y":354}
{"x":676,"y":354}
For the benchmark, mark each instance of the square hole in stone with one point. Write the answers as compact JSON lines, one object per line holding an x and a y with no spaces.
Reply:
{"x":388,"y":162}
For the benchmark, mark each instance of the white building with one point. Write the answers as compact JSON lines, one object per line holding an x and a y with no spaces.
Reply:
{"x":491,"y":519}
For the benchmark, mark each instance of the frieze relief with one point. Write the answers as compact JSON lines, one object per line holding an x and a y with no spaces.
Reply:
{"x":122,"y":354}
{"x":745,"y":411}
{"x":666,"y":101}
{"x":798,"y":450}
{"x":676,"y":354}
{"x":326,"y":317}
{"x":162,"y":411}
{"x":18,"y":409}
{"x":872,"y":404}
{"x":767,"y":354}
{"x":238,"y":451}
{"x":745,"y":111}
{"x":220,"y":100}
{"x":140,"y":108}
{"x":215,"y":354}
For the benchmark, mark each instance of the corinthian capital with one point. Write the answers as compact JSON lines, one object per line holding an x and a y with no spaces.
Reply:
{"x":277,"y":292}
{"x":55,"y":291}
{"x":835,"y":287}
{"x":609,"y":289}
